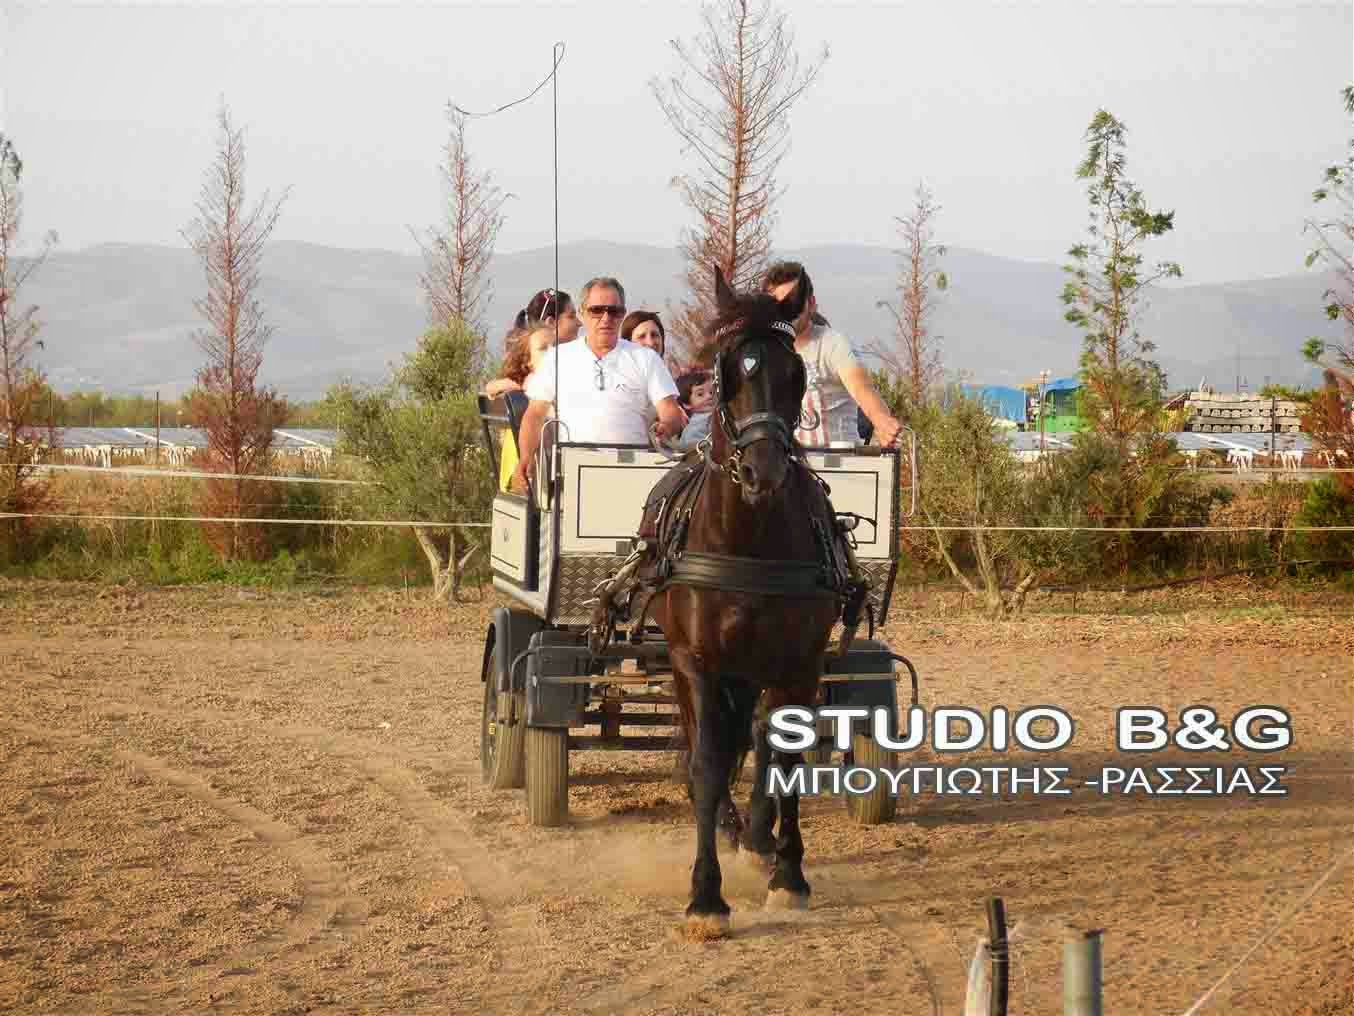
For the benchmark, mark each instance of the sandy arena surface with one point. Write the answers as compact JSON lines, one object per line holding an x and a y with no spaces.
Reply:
{"x":270,"y":803}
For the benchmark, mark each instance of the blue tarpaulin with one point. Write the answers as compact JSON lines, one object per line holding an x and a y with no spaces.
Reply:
{"x":1063,"y":384}
{"x":1001,"y":401}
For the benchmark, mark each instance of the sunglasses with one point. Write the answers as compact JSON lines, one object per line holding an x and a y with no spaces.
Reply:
{"x":601,"y":310}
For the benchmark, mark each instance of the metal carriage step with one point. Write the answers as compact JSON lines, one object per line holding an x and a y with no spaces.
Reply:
{"x":621,"y":744}
{"x":597,"y":717}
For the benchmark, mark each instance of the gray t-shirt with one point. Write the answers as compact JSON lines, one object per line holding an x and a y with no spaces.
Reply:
{"x":826,"y":354}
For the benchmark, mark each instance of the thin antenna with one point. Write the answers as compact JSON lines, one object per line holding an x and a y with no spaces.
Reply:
{"x":557,"y":56}
{"x":554,"y":89}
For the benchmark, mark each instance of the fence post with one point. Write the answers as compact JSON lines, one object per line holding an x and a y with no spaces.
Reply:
{"x":1081,"y":974}
{"x":1001,"y":961}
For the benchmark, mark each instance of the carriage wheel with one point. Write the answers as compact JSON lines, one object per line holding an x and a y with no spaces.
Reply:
{"x":502,"y":753}
{"x":878,"y":806}
{"x":547,"y":751}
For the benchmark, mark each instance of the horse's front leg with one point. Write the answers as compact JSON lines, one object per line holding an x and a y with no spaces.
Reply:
{"x":707,"y":915}
{"x":789,"y":889}
{"x":759,"y":842}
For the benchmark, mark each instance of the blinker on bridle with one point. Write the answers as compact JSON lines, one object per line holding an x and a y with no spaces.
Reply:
{"x":745,"y":430}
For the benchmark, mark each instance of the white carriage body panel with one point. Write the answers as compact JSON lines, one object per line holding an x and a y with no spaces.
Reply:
{"x":868,"y":486}
{"x":604,"y":489}
{"x":602,"y":496}
{"x":508,"y":547}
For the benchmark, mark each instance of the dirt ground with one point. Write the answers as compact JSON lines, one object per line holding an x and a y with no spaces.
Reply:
{"x":270,"y":803}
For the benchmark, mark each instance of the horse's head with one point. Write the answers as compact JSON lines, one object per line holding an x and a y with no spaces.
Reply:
{"x":759,"y":388}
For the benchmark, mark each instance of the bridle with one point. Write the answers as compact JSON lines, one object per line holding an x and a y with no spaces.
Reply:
{"x":742,"y":431}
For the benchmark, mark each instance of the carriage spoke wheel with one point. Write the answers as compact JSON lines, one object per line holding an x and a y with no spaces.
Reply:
{"x":879,"y":806}
{"x":502,"y":747}
{"x":547,"y":767}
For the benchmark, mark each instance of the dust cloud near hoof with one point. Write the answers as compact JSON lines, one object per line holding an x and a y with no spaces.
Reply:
{"x":707,"y":927}
{"x":783,"y":899}
{"x":763,"y":864}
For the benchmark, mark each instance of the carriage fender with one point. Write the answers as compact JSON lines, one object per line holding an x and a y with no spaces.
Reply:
{"x":865,"y":657}
{"x":510,"y":632}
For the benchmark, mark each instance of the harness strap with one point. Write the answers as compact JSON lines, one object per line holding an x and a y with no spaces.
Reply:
{"x":751,"y":575}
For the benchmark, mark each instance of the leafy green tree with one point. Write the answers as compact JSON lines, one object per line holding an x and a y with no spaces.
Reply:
{"x":420,"y":435}
{"x":973,"y":479}
{"x":1123,"y":388}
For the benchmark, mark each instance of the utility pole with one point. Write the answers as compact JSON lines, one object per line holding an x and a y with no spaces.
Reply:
{"x":157,"y":426}
{"x":1043,"y":380}
{"x":1273,"y":426}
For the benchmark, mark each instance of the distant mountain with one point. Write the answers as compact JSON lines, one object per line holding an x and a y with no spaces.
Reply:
{"x":120,"y":316}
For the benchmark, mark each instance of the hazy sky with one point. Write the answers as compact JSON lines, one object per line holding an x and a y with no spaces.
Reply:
{"x":1232,"y":111}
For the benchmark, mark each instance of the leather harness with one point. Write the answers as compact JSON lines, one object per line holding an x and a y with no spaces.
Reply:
{"x":660,"y":558}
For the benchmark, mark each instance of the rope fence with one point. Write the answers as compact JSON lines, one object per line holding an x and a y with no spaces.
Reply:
{"x":396,"y":523}
{"x":189,"y":474}
{"x":485,"y":525}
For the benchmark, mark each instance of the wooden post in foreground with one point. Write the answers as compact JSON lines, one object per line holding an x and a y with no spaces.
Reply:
{"x":996,"y":930}
{"x":1082,"y":989}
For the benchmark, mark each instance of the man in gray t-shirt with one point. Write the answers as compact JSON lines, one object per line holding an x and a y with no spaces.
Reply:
{"x":837,"y":381}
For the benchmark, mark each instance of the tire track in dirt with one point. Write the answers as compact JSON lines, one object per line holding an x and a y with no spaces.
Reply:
{"x":503,"y":894}
{"x":666,"y":974}
{"x":323,"y":897}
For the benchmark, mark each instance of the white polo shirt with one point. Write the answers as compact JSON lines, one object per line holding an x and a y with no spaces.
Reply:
{"x":634,"y":381}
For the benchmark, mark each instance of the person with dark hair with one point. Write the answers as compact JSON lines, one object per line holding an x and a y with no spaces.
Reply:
{"x":645,"y":328}
{"x":544,"y":307}
{"x":838,"y":382}
{"x":608,"y":390}
{"x":696,"y":396}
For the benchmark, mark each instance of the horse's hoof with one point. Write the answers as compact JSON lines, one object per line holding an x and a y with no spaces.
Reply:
{"x":706,"y":927}
{"x":762,"y":864}
{"x":783,"y":899}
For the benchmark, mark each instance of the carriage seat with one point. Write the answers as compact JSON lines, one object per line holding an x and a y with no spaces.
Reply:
{"x":515,"y":408}
{"x":516,"y":404}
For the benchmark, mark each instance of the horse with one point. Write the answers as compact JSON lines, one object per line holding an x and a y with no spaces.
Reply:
{"x":748,"y":604}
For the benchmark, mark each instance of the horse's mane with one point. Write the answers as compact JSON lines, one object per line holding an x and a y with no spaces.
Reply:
{"x":752,"y":312}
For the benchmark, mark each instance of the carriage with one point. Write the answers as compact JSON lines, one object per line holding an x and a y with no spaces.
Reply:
{"x":548,"y":692}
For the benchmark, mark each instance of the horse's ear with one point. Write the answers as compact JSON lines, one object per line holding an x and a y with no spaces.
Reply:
{"x":792,"y":306}
{"x":725,"y":299}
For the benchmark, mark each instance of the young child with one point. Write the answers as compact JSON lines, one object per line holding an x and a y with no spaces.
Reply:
{"x":695,"y":392}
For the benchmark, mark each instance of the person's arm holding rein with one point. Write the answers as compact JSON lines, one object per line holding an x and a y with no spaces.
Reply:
{"x":672,"y":419}
{"x":662,"y":390}
{"x":857,"y":381}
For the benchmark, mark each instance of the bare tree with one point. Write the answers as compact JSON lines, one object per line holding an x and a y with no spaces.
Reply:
{"x":21,"y":382}
{"x":734,"y":117}
{"x":456,"y":257}
{"x":1328,"y":420}
{"x":238,"y":416}
{"x":913,"y":356}
{"x":1335,"y":250}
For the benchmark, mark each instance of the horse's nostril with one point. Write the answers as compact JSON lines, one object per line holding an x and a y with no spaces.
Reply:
{"x":748,"y":475}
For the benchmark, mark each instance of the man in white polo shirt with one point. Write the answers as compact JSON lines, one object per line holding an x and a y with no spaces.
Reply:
{"x":608,"y":389}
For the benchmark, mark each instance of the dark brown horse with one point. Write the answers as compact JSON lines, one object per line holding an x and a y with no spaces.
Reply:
{"x":750,"y":604}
